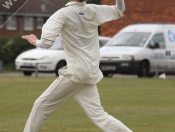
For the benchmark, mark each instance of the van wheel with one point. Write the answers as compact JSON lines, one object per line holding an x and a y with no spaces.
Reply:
{"x":151,"y":75}
{"x":59,"y":65}
{"x":143,"y":69}
{"x":108,"y":74}
{"x":27,"y":73}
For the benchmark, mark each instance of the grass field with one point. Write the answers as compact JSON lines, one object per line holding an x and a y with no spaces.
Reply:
{"x":144,"y":105}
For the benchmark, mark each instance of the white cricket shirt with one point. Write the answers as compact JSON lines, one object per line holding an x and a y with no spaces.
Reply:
{"x":77,"y":26}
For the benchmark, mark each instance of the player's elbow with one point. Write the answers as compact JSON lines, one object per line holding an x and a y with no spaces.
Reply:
{"x":122,"y":9}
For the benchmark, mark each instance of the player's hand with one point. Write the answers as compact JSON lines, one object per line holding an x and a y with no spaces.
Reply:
{"x":30,"y":38}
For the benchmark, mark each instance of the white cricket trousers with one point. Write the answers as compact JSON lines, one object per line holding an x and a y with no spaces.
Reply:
{"x":85,"y":94}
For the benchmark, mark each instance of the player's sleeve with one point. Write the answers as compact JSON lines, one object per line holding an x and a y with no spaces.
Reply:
{"x":107,"y":13}
{"x":41,"y":45}
{"x":52,"y":28}
{"x":120,"y":4}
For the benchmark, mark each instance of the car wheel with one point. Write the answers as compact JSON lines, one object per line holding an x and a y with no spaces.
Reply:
{"x":59,"y":65}
{"x":27,"y":73}
{"x":143,"y":69}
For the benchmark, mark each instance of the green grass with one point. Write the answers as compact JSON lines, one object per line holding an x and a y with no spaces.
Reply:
{"x":144,"y":105}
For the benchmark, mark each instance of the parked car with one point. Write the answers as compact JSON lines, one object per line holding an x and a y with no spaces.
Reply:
{"x":45,"y":60}
{"x":142,"y":49}
{"x":103,"y":40}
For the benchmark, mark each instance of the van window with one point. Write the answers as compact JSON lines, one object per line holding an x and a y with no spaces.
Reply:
{"x":137,"y":39}
{"x":158,"y":38}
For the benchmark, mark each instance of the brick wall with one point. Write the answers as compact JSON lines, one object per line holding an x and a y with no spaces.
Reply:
{"x":140,"y":11}
{"x":20,"y":28}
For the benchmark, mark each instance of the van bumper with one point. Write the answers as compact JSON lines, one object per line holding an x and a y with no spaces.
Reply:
{"x":123,"y":67}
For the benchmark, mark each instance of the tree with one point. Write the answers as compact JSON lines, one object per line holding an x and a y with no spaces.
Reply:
{"x":93,"y":1}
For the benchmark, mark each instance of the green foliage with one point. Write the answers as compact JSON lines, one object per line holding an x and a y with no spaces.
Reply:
{"x":11,"y":47}
{"x":94,"y":1}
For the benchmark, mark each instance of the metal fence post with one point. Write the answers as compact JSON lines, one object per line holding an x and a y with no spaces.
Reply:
{"x":156,"y":71}
{"x":36,"y":70}
{"x":1,"y":65}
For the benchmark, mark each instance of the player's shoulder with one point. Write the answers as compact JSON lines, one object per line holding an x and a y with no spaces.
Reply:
{"x":95,"y":6}
{"x":63,"y":10}
{"x":92,"y":5}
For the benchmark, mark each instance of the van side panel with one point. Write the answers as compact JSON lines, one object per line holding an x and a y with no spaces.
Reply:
{"x":170,"y":37}
{"x":170,"y":44}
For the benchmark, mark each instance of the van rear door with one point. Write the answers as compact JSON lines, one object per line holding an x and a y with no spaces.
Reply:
{"x":170,"y":50}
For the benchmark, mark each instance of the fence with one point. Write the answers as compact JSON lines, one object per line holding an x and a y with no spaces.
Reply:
{"x":1,"y":65}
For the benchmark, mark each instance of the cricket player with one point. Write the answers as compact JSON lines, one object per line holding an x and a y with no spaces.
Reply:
{"x":77,"y":26}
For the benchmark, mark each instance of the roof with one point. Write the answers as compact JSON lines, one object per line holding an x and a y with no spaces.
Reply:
{"x":42,"y":7}
{"x":145,"y":27}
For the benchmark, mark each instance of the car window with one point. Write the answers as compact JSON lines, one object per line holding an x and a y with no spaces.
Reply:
{"x":103,"y":41}
{"x":101,"y":44}
{"x":129,"y":39}
{"x":56,"y":45}
{"x":159,"y":38}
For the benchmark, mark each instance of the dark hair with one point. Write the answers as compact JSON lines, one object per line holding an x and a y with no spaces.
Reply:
{"x":82,"y":0}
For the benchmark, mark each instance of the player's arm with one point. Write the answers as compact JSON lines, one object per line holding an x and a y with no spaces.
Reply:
{"x":107,"y":13}
{"x":120,"y":4}
{"x":50,"y":31}
{"x":33,"y":40}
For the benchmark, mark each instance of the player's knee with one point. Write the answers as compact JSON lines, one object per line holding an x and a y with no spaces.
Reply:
{"x":38,"y":102}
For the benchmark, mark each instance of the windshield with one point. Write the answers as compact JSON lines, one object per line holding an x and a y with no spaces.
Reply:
{"x":129,"y":39}
{"x":56,"y":45}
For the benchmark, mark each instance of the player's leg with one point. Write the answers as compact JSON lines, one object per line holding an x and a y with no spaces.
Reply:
{"x":57,"y":93}
{"x":89,"y":100}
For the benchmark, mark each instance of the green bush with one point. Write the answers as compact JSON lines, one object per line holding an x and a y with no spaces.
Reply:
{"x":11,"y":47}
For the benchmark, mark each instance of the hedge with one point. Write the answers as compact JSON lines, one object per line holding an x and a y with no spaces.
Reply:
{"x":11,"y":47}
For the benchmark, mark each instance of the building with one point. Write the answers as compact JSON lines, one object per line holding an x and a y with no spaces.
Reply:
{"x":140,"y":11}
{"x":33,"y":15}
{"x":30,"y":17}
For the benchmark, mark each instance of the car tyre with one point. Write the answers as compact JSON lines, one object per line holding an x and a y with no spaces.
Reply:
{"x":143,"y":69}
{"x":27,"y":73}
{"x":59,"y":65}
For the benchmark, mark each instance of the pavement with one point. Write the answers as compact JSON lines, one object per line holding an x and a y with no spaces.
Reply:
{"x":20,"y":74}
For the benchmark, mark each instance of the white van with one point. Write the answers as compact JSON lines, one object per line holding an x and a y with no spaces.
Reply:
{"x":141,"y":49}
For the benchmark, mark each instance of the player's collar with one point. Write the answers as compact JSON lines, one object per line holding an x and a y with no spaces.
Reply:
{"x":75,"y":3}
